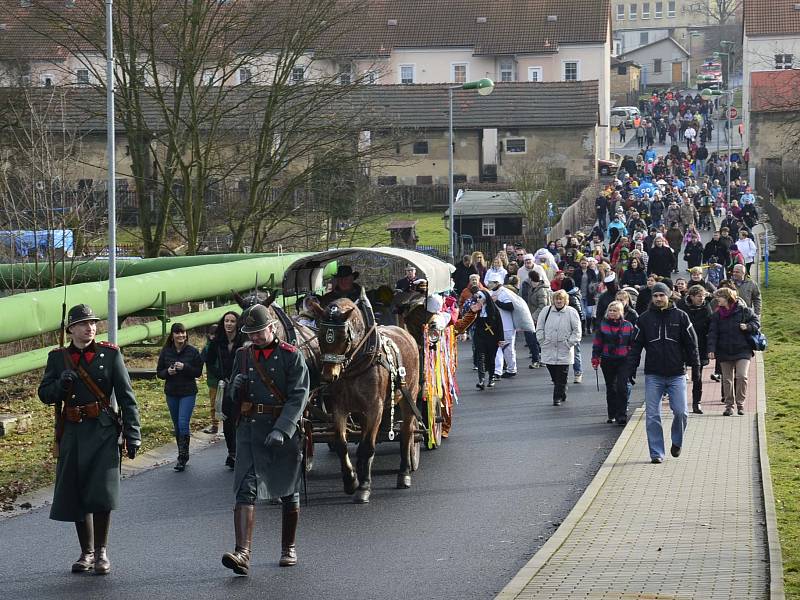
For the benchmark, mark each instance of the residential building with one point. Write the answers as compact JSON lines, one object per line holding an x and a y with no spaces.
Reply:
{"x":664,"y":63}
{"x":391,"y":42}
{"x":774,"y":122}
{"x":553,"y":125}
{"x":770,"y":42}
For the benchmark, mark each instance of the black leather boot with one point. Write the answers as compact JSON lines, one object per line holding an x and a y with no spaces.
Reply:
{"x":85,"y":531}
{"x":288,"y":534}
{"x":102,"y":521}
{"x":239,"y":559}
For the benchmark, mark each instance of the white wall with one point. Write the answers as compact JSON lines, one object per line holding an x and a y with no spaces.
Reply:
{"x":668,"y":53}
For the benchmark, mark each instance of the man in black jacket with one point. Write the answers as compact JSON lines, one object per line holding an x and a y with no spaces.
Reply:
{"x":698,"y":307}
{"x":669,"y":338}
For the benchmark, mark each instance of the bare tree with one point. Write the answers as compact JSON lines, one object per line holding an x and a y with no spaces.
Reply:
{"x":215,"y":95}
{"x":39,"y":150}
{"x":537,"y":188}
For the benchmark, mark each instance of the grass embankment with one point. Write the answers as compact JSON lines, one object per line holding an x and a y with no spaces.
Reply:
{"x":26,"y":462}
{"x":430,"y":229}
{"x":782,"y":326}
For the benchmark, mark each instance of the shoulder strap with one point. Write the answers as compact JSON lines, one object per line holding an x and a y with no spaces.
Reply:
{"x":265,"y":378}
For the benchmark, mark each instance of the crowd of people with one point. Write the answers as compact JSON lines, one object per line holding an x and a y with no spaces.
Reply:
{"x":623,"y":284}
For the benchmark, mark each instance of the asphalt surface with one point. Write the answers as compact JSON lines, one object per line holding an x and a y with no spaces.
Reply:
{"x":479,"y":507}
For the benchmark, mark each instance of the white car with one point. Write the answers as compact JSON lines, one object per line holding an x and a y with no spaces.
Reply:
{"x":623,"y":113}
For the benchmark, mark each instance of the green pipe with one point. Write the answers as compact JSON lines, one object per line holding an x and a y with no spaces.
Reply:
{"x":26,"y":275}
{"x":35,"y":359}
{"x":30,"y":314}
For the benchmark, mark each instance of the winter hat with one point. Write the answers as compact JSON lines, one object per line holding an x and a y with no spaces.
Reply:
{"x":434,"y":303}
{"x":610,"y":277}
{"x":661,"y":288}
{"x":528,"y":257}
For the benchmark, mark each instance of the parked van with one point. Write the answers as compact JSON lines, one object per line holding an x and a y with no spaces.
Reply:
{"x":623,"y":113}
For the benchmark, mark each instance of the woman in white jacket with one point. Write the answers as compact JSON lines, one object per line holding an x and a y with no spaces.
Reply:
{"x":558,"y":330}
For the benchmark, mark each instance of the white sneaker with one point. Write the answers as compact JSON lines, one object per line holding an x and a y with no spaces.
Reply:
{"x":578,"y":377}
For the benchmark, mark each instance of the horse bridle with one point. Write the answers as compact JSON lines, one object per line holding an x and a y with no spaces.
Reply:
{"x":328,"y":329}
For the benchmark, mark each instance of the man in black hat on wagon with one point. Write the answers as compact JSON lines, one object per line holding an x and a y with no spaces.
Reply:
{"x":344,"y":286}
{"x":98,"y":420}
{"x":269,"y":391}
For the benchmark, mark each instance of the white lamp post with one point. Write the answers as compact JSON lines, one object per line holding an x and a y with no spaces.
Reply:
{"x":112,"y":188}
{"x":484,"y":87}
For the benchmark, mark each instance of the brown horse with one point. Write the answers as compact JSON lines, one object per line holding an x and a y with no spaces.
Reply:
{"x":368,"y":384}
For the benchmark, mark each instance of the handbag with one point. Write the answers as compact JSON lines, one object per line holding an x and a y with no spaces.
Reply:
{"x":757,"y":341}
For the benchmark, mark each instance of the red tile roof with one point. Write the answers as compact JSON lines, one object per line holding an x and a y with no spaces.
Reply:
{"x":775,"y":91}
{"x":768,"y":17}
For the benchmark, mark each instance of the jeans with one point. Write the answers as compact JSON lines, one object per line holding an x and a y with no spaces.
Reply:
{"x":533,"y":346}
{"x":656,"y":386}
{"x":558,"y":374}
{"x":577,"y":366}
{"x":180,"y":409}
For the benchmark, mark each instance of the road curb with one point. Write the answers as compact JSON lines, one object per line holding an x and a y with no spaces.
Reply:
{"x":545,"y":553}
{"x":143,"y":463}
{"x":776,"y":590}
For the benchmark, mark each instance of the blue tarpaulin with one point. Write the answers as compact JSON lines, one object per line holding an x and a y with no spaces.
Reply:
{"x":26,"y":243}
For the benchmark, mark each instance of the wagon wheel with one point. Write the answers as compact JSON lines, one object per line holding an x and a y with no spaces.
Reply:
{"x":436,"y":431}
{"x":416,"y":449}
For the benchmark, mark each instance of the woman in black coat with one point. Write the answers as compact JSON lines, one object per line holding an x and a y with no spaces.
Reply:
{"x":693,"y":254}
{"x":661,"y":259}
{"x":488,"y":337}
{"x":697,"y":306}
{"x":180,"y":364}
{"x":634,"y":276}
{"x":728,"y":342}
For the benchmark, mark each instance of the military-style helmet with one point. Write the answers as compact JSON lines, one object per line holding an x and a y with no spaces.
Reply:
{"x":80,"y":313}
{"x":256,"y":318}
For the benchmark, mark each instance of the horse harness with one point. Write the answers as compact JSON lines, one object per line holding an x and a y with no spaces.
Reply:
{"x":373,"y":349}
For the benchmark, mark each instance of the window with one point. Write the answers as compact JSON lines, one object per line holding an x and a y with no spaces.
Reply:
{"x":420,"y":147}
{"x":571,"y":70}
{"x":487,"y":227}
{"x":459,"y":178}
{"x":632,"y":12}
{"x":387,"y":180}
{"x":535,"y":74}
{"x":621,"y":70}
{"x":82,"y":76}
{"x":784,"y":61}
{"x":298,"y":74}
{"x":406,"y":73}
{"x":245,"y":76}
{"x":47,"y":80}
{"x":670,"y":9}
{"x":644,"y":38}
{"x":645,"y":10}
{"x":620,"y":12}
{"x":458,"y":73}
{"x":507,"y":70}
{"x":209,"y":77}
{"x":659,"y":10}
{"x":657,"y":65}
{"x":344,"y":74}
{"x":516,"y":146}
{"x":424,"y":179}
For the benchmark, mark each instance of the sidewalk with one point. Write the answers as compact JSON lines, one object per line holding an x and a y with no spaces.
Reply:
{"x":700,"y":526}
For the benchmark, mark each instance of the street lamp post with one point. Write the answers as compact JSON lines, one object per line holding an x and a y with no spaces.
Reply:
{"x":484,"y":87}
{"x":729,"y":105}
{"x":111,"y":194}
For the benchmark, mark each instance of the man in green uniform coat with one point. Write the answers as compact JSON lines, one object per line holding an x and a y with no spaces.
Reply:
{"x":269,"y":391}
{"x":91,"y":380}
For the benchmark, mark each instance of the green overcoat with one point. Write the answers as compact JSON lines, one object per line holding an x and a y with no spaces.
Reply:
{"x":87,"y":472}
{"x":277,"y":470}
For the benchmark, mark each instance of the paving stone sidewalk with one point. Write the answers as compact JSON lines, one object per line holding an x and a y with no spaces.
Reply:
{"x":692,"y":527}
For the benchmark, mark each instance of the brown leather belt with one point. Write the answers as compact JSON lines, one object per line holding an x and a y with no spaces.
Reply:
{"x":76,"y":414}
{"x":250,"y":409}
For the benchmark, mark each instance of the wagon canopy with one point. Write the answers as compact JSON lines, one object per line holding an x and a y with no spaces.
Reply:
{"x":305,"y":275}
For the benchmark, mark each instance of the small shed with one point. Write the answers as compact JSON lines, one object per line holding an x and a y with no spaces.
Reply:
{"x":403,"y":234}
{"x":487,"y":216}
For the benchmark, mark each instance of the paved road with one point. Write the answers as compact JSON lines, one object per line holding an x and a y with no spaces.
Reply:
{"x":479,"y":508}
